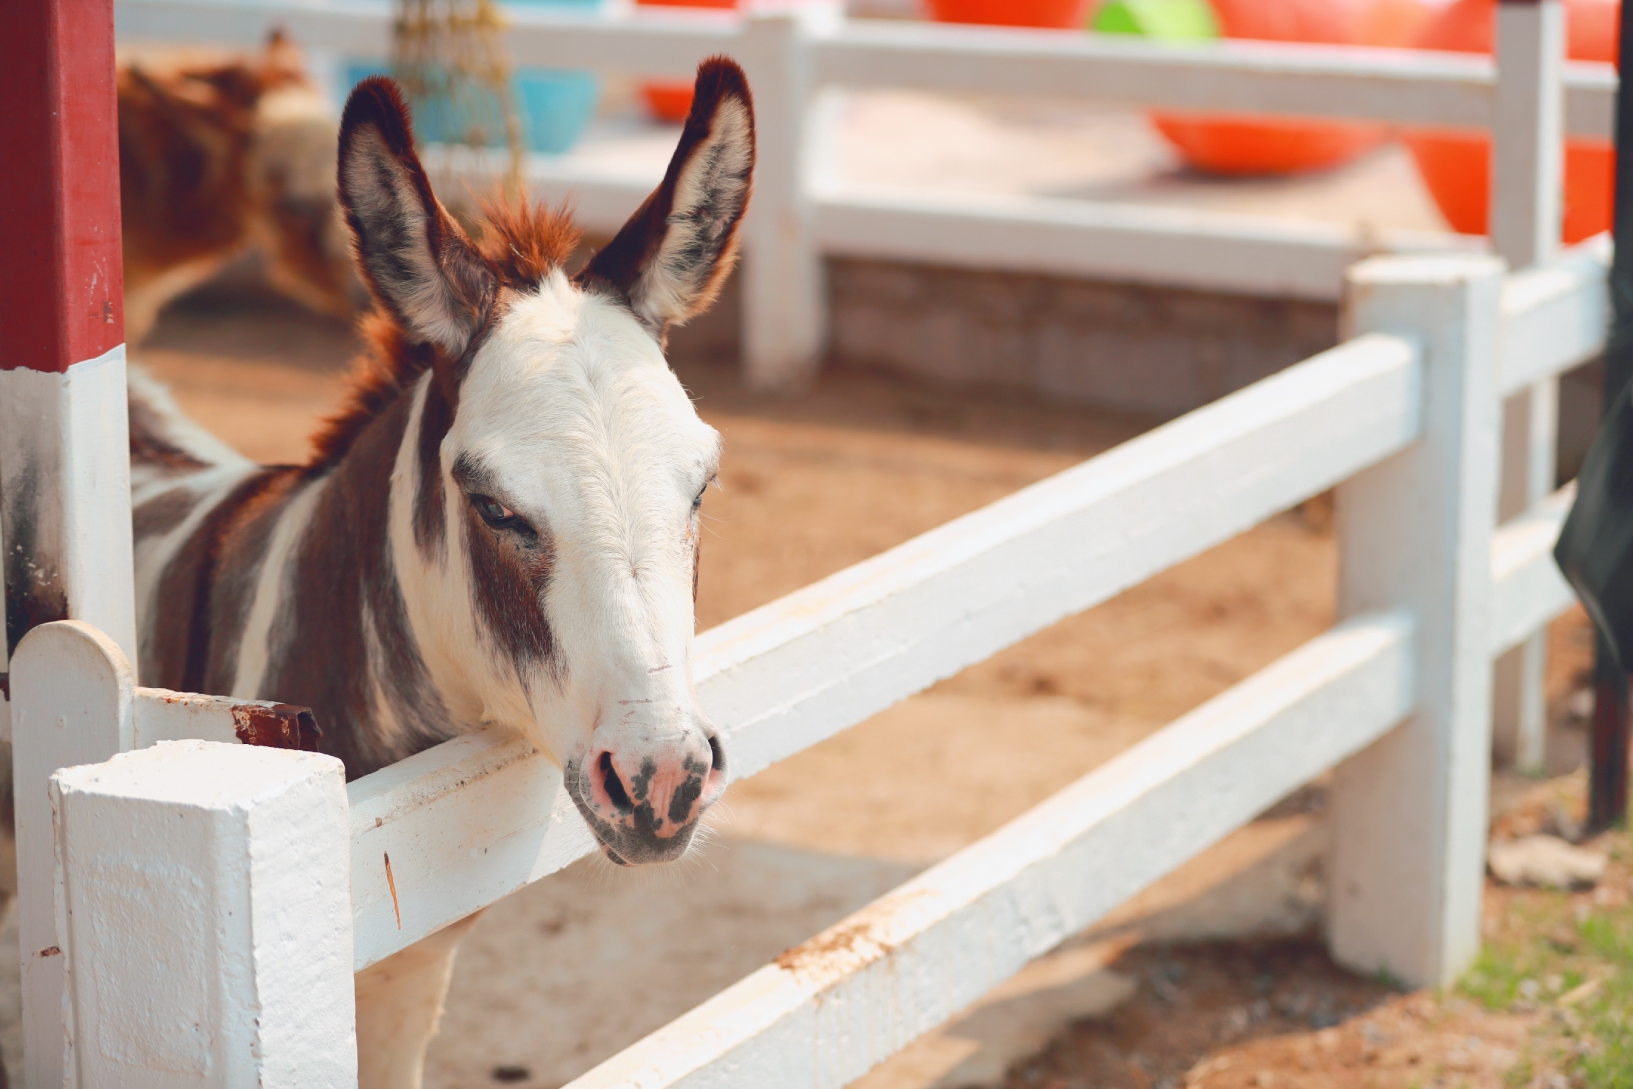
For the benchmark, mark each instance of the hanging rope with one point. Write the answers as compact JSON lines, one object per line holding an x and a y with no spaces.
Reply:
{"x":449,"y":57}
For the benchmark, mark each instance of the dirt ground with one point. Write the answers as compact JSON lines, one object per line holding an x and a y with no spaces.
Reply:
{"x":1547,"y":1006}
{"x":575,"y":967}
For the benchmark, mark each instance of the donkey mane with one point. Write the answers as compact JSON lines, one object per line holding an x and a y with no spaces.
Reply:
{"x":520,"y":240}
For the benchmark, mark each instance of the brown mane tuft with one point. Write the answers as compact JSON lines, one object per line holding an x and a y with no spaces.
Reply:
{"x":526,"y":241}
{"x":523,"y":241}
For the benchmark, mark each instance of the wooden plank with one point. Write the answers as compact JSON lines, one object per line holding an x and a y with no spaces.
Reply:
{"x":1590,"y":100}
{"x":478,"y":817}
{"x":660,"y":43}
{"x":464,"y":824}
{"x":1210,"y":251}
{"x":1555,"y":317}
{"x":356,"y":28}
{"x":1527,"y":589}
{"x":158,"y":714}
{"x":1405,"y":86}
{"x":828,"y":1011}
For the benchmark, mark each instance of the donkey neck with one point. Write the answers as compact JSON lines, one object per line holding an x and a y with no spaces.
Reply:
{"x":342,"y":642}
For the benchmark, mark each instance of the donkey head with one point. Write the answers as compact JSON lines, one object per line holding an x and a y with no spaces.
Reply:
{"x":548,"y":528}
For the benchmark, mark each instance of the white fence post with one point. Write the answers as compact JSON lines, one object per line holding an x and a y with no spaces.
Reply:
{"x":785,"y":315}
{"x":1527,"y":185}
{"x":1409,"y":812}
{"x":204,"y":899}
{"x":72,"y":692}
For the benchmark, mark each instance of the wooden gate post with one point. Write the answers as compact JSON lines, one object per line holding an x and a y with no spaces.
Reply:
{"x":204,"y":896}
{"x":64,"y":451}
{"x":1527,"y":185}
{"x":1409,"y":813}
{"x":785,"y":314}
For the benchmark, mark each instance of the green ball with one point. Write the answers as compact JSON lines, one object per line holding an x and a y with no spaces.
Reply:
{"x":1162,"y":20}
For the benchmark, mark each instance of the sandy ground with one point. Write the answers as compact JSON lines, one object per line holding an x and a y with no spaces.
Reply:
{"x":566,"y":972}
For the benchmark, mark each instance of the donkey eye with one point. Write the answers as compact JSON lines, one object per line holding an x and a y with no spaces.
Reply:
{"x":697,"y":500}
{"x":493,"y":512}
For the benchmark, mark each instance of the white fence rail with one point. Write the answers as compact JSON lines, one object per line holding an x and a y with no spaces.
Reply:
{"x":1403,"y":419}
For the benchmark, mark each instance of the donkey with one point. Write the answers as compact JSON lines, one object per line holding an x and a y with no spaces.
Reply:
{"x":500,"y":527}
{"x":216,"y":160}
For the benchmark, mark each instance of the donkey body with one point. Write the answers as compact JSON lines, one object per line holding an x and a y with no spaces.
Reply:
{"x":217,"y":160}
{"x":499,"y":528}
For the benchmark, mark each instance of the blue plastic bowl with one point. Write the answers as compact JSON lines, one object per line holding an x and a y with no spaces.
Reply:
{"x":554,"y":104}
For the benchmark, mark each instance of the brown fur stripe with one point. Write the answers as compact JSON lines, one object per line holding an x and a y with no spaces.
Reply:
{"x":182,"y":641}
{"x":510,"y":573}
{"x":163,"y":513}
{"x":345,"y":595}
{"x":430,"y":519}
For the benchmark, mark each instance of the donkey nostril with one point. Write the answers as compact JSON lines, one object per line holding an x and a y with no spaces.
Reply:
{"x":718,"y":753}
{"x":613,"y":785}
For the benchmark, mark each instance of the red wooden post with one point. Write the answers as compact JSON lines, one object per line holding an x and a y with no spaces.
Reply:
{"x":65,"y":528}
{"x":60,"y":285}
{"x":65,"y":518}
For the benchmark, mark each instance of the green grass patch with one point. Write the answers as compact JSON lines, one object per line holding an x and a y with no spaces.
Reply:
{"x":1544,"y":952}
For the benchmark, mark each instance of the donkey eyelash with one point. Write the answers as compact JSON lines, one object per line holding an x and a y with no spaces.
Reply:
{"x":500,"y":517}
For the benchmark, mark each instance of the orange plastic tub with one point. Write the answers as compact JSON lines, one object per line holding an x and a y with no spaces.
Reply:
{"x":1066,"y":14}
{"x":672,"y":101}
{"x":1456,"y":166}
{"x":1237,"y":145}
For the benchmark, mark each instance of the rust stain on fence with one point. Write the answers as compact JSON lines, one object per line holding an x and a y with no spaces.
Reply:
{"x":391,"y":882}
{"x":276,"y":726}
{"x":847,"y":945}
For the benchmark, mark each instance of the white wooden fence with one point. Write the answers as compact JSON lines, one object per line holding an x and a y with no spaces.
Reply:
{"x":156,"y":957}
{"x":1403,"y":418}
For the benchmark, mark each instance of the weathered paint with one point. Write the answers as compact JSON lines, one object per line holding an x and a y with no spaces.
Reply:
{"x":204,"y":897}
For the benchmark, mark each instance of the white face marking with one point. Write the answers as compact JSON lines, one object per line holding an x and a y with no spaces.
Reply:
{"x":585,"y":434}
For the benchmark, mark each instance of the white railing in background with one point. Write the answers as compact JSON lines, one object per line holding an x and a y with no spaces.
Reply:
{"x":803,"y":211}
{"x":1402,"y":418}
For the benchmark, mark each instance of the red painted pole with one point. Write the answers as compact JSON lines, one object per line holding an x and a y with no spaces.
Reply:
{"x":61,"y":281}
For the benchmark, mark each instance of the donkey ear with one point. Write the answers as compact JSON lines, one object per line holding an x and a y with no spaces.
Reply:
{"x":670,"y":259}
{"x":415,"y":259}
